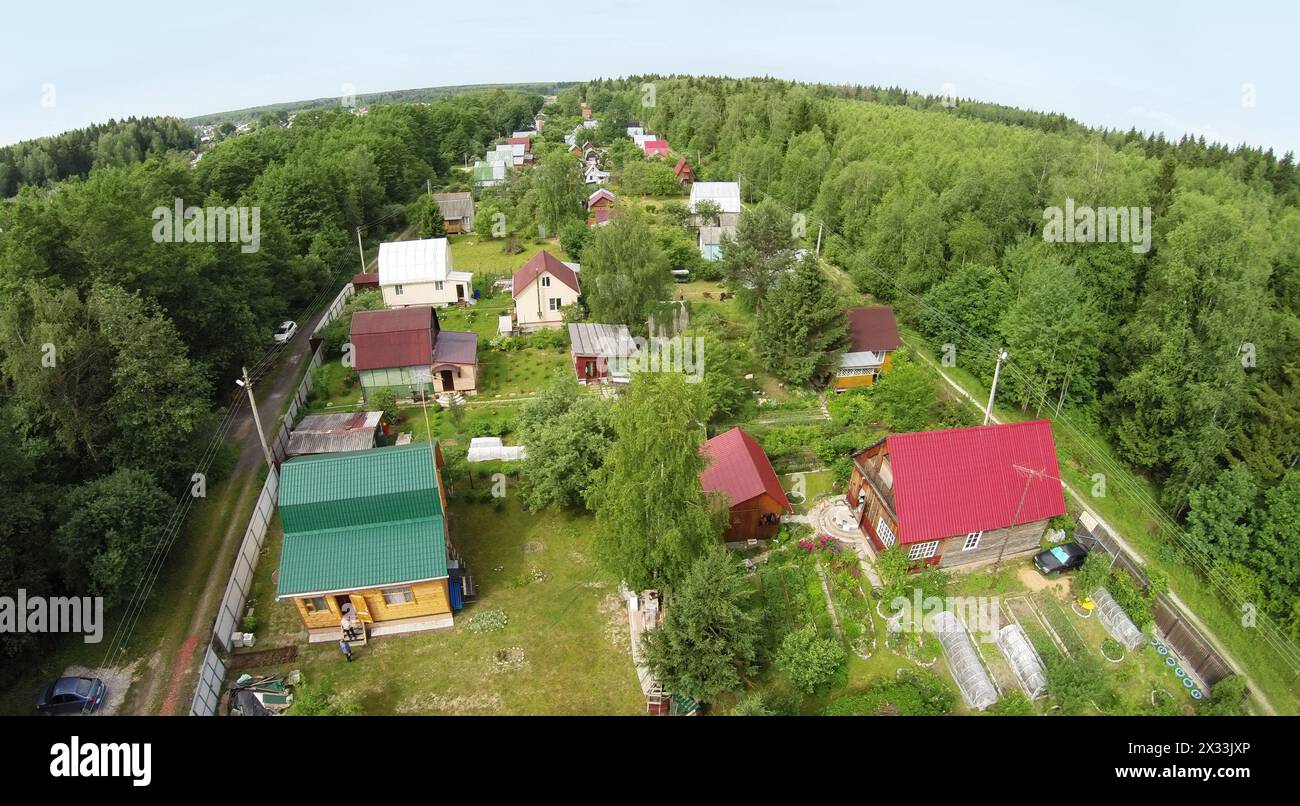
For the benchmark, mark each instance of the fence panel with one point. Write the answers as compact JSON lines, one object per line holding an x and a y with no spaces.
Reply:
{"x":241,"y":576}
{"x":212,"y":676}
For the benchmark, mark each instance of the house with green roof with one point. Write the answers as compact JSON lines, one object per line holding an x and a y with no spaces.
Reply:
{"x":366,"y":543}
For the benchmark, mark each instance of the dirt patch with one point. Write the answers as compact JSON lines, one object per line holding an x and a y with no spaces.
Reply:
{"x":445,"y":703}
{"x":1028,"y":576}
{"x":510,"y":659}
{"x":614,"y":609}
{"x":263,"y":657}
{"x":117,"y":679}
{"x":534,"y":547}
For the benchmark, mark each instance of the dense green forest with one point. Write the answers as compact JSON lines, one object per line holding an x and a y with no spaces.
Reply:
{"x":116,"y":351}
{"x":1184,"y":356}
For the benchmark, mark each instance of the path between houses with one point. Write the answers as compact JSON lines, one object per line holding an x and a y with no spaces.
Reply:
{"x":1119,"y":539}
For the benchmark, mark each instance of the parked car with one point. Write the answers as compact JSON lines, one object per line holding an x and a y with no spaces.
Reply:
{"x":1064,"y":557}
{"x":286,"y":332}
{"x":72,"y":695}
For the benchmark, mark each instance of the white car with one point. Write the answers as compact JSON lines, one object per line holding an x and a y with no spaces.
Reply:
{"x":285,"y":332}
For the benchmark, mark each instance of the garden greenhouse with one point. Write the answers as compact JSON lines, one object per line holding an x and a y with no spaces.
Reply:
{"x":1117,"y":622}
{"x":1024,"y":660}
{"x":964,"y":662}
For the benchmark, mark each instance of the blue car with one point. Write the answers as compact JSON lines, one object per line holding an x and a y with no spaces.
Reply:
{"x":72,"y":695}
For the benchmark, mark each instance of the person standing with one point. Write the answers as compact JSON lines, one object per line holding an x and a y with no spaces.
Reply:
{"x":345,"y":649}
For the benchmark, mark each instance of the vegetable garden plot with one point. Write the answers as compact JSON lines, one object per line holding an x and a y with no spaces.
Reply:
{"x":1116,"y":621}
{"x":964,"y":662}
{"x":1024,"y":660}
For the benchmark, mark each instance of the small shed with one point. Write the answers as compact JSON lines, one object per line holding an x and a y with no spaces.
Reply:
{"x":334,"y":433}
{"x":598,"y":351}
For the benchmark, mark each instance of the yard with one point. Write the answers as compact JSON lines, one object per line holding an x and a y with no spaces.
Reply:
{"x":563,"y":648}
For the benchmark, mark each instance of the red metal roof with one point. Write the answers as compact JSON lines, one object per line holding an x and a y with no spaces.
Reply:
{"x":544,"y":261}
{"x":964,"y":480}
{"x":397,"y":337}
{"x":736,"y":465}
{"x":873,"y":329}
{"x":682,"y":166}
{"x":656,"y":147}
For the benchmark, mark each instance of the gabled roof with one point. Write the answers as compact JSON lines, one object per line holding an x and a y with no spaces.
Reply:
{"x":360,"y":519}
{"x":593,"y":339}
{"x":394,"y":337}
{"x":332,"y":433}
{"x":655,"y":147}
{"x":541,"y":262}
{"x":737,"y":466}
{"x":726,"y":194}
{"x":963,"y":480}
{"x":598,"y":195}
{"x":872,"y":329}
{"x":425,"y":260}
{"x":682,"y":167}
{"x":455,"y":205}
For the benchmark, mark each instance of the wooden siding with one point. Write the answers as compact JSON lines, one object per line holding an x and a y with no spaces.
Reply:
{"x":747,"y":520}
{"x":1018,"y":541}
{"x":431,"y":599}
{"x":863,"y":381}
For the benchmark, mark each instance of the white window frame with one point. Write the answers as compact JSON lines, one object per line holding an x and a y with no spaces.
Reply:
{"x":437,"y":285}
{"x":398,"y":596}
{"x":555,"y":303}
{"x":546,"y":281}
{"x":397,"y":289}
{"x":922,"y":551}
{"x":972,"y":541}
{"x":885,"y":534}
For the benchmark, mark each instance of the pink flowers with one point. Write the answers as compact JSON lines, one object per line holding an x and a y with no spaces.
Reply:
{"x":823,"y":542}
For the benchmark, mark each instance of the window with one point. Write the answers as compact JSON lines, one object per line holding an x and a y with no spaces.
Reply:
{"x":437,"y":285}
{"x":555,"y":303}
{"x":316,"y":604}
{"x":885,"y":534}
{"x":546,"y":281}
{"x":923,"y":551}
{"x":397,"y":596}
{"x":397,"y":289}
{"x":972,"y":541}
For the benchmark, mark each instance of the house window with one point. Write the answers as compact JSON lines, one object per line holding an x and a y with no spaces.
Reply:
{"x":972,"y":541}
{"x":397,"y":289}
{"x":437,"y":285}
{"x":546,"y":281}
{"x":885,"y":534}
{"x":397,"y":596}
{"x":555,"y":303}
{"x":923,"y":551}
{"x":316,"y":604}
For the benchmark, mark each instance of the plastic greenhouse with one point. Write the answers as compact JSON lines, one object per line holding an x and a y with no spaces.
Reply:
{"x":1023,"y":658}
{"x":1117,"y":622}
{"x":974,"y":682}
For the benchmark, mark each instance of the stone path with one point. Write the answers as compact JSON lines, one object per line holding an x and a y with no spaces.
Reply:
{"x":825,"y":517}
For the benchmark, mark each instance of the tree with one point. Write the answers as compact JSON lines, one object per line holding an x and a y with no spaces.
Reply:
{"x":110,"y":527}
{"x":812,"y":663}
{"x":625,"y":272}
{"x":802,"y":327}
{"x":426,"y":216}
{"x":762,"y":251}
{"x":559,"y":189}
{"x":708,"y":638}
{"x":651,"y":512}
{"x":904,"y":398}
{"x":568,"y":434}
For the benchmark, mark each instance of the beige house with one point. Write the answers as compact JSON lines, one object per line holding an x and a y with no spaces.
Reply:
{"x":420,"y":273}
{"x":542,"y":288}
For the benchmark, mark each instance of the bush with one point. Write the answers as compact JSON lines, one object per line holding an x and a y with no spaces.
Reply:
{"x":911,"y":693}
{"x":384,"y":400}
{"x":1227,"y":698}
{"x":752,"y":705}
{"x":248,"y":624}
{"x":811,"y":662}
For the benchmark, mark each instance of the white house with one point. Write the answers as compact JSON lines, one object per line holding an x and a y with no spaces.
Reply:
{"x":542,"y":288}
{"x":595,"y":176}
{"x":725,"y":194}
{"x":633,"y":131}
{"x":420,"y":273}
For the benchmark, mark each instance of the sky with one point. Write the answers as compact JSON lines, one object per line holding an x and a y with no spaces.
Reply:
{"x":1225,"y":71}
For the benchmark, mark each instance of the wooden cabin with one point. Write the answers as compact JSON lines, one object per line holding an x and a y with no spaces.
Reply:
{"x":737,"y":468}
{"x":873,"y":337}
{"x":366,"y":532}
{"x":599,"y":352}
{"x":959,"y":496}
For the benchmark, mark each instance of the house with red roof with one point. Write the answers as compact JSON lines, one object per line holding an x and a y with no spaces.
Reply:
{"x":600,"y":205}
{"x":737,"y":468}
{"x":655,"y":148}
{"x":959,"y":496}
{"x":685,"y":175}
{"x":405,"y":349}
{"x":873,"y":337}
{"x":542,"y":288}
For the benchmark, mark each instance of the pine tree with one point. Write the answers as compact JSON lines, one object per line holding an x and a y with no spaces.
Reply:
{"x":802,"y":325}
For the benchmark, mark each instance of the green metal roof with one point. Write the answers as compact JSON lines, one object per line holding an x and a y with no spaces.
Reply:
{"x":362,"y":556}
{"x":355,"y":488}
{"x":360,"y":519}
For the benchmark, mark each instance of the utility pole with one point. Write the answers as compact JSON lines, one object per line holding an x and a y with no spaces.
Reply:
{"x":993,"y":390}
{"x":1030,"y":475}
{"x":820,"y":224}
{"x":429,"y":184}
{"x":257,"y":419}
{"x":361,"y":251}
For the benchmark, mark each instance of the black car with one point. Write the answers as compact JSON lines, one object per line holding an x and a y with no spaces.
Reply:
{"x":1064,"y":557}
{"x":72,"y":695}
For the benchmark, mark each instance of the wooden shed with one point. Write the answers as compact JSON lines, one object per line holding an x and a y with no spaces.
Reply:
{"x":737,"y":468}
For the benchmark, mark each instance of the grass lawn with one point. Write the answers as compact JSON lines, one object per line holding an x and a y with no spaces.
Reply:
{"x":816,"y":484}
{"x":331,"y":392}
{"x":486,"y":256}
{"x":487,"y":420}
{"x":517,"y":372}
{"x":480,"y":318}
{"x":566,"y":636}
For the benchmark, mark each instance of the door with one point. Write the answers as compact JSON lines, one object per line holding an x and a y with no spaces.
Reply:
{"x":448,"y":380}
{"x":363,"y":609}
{"x":460,"y":292}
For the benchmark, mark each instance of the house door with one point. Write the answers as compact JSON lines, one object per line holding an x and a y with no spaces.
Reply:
{"x":460,"y":292}
{"x":448,"y":380}
{"x":362,"y":609}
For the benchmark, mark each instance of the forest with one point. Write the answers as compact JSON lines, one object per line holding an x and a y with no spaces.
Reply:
{"x":99,"y":434}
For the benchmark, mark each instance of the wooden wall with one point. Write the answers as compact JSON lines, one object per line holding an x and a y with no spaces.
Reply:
{"x":431,"y":599}
{"x":747,"y":520}
{"x":1019,"y":541}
